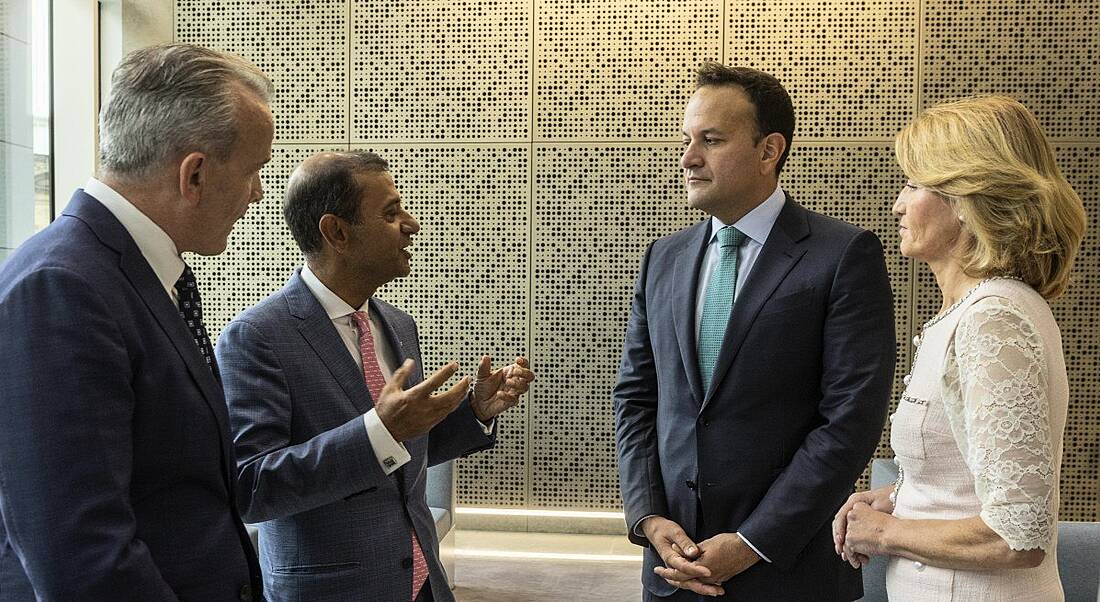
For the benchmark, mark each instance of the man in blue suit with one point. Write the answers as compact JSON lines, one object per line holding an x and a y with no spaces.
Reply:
{"x":116,"y":467}
{"x":756,"y":368}
{"x":332,"y":450}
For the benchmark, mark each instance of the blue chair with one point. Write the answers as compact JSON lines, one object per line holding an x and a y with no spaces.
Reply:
{"x":1078,"y":552}
{"x":441,"y":501}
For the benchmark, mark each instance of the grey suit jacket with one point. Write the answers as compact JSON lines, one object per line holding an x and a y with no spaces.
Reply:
{"x":333,"y":526}
{"x":795,"y":409}
{"x":116,"y":468}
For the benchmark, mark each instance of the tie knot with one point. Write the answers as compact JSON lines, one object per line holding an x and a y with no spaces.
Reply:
{"x":186,"y":281}
{"x":361,"y":320}
{"x":730,"y":237}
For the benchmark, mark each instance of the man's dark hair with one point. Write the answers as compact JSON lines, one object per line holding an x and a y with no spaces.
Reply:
{"x":772,"y":104}
{"x":327,"y":186}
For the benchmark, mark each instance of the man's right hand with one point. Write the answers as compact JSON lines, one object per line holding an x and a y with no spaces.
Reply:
{"x":408,"y":414}
{"x":674,"y":546}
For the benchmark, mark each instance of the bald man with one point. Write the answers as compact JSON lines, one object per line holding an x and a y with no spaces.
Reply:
{"x":334,"y":422}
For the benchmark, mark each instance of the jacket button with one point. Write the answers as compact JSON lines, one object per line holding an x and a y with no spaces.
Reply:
{"x":690,"y":484}
{"x":406,"y":563}
{"x":706,"y":423}
{"x":245,"y":594}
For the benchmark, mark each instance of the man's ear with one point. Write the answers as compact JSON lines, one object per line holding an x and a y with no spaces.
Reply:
{"x":192,"y":177}
{"x":334,"y":232}
{"x":773,"y":146}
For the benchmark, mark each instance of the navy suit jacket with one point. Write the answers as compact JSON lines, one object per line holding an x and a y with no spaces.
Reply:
{"x":795,"y":409}
{"x":115,"y":458}
{"x":333,"y":526}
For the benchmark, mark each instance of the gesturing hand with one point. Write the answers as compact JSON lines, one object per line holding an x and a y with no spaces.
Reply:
{"x":498,"y":390}
{"x":407,"y":414}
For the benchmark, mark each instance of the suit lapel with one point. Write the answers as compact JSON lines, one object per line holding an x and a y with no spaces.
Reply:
{"x":316,"y":328}
{"x":137,"y":270}
{"x":780,"y":253}
{"x":685,"y":280}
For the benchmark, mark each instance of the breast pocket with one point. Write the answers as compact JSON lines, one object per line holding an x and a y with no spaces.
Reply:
{"x":907,"y":428}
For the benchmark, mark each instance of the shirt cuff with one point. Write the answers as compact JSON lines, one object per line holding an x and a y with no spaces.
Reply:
{"x":390,"y":454}
{"x":637,"y":530}
{"x":488,"y":428}
{"x":758,"y":553}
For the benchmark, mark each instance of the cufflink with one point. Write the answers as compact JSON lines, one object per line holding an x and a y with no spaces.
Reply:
{"x":389,"y":462}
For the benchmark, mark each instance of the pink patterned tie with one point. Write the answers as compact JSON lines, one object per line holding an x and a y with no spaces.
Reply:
{"x":372,"y":373}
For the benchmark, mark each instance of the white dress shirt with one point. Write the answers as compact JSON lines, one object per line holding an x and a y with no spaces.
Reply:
{"x":155,"y":245}
{"x":756,"y":225}
{"x":390,"y":453}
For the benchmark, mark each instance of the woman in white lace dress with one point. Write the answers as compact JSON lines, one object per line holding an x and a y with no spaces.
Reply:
{"x":978,"y":432}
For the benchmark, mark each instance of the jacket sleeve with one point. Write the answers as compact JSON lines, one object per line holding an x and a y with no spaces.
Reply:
{"x":635,"y":406}
{"x":277,"y":479}
{"x":66,"y":443}
{"x":856,"y":376}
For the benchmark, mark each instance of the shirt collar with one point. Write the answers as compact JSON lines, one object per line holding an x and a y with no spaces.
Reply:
{"x":153,"y":242}
{"x":334,"y":306}
{"x":756,"y":224}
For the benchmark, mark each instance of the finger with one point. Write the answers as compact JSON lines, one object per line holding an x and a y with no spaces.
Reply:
{"x":688,"y":568}
{"x":520,"y":373}
{"x":453,"y":396}
{"x":436,"y":380}
{"x":484,"y":367}
{"x":699,"y":587}
{"x":400,"y":376}
{"x":522,"y":362}
{"x":672,"y":574}
{"x":840,"y":527}
{"x":690,"y":549}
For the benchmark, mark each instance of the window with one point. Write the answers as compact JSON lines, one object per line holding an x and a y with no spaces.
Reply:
{"x":25,"y":146}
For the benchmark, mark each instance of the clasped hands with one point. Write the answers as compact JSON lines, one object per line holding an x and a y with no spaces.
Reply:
{"x":860,"y":524}
{"x":703,"y":567}
{"x":408,"y":413}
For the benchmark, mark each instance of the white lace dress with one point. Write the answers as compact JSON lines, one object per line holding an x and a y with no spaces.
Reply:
{"x":978,"y":431}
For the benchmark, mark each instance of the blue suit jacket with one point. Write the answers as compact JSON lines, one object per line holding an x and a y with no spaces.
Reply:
{"x":334,"y":526}
{"x":795,"y":409}
{"x":115,"y":458}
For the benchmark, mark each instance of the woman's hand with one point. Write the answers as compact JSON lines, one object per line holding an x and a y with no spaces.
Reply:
{"x":865,"y":534}
{"x":876,"y":499}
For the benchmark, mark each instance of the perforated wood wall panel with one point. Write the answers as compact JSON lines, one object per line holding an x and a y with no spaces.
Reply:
{"x":302,"y":46}
{"x":849,"y":65}
{"x":537,"y":142}
{"x":596,"y":209}
{"x":1078,"y":315}
{"x":441,"y":70}
{"x":1043,"y":53}
{"x":618,"y":70}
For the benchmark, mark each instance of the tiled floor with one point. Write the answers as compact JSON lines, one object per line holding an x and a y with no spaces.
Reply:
{"x":494,"y":566}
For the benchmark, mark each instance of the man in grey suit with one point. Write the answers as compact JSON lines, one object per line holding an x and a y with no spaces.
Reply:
{"x":116,"y":467}
{"x":332,"y":450}
{"x":756,"y":368}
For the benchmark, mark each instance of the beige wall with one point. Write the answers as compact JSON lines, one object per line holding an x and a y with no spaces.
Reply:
{"x":537,"y":141}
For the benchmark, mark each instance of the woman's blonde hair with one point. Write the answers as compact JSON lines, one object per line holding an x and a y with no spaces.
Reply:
{"x":988,"y":156}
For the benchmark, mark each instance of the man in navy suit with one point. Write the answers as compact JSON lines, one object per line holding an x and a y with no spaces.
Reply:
{"x":756,"y":368}
{"x":332,"y":449}
{"x":115,"y":460}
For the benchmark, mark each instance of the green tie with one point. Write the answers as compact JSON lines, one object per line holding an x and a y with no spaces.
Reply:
{"x":718,"y":302}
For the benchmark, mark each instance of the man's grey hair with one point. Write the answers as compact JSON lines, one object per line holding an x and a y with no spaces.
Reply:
{"x":170,"y":100}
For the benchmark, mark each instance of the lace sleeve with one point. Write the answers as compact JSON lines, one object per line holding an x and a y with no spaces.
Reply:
{"x":996,"y":393}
